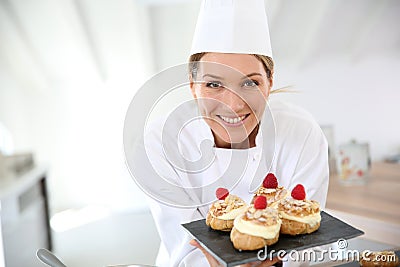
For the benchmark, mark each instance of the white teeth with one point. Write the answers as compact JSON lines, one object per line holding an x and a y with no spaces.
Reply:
{"x":232,"y":120}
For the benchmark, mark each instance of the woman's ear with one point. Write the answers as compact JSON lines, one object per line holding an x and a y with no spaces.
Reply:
{"x":271,"y":83}
{"x":271,"y":80}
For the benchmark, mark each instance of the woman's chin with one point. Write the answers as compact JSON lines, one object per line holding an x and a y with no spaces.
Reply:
{"x":236,"y":138}
{"x":236,"y":142}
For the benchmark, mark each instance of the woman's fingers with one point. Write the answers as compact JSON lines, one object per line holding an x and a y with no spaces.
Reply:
{"x":261,"y":263}
{"x":269,"y":262}
{"x":211,"y":260}
{"x":214,"y":263}
{"x":194,"y":243}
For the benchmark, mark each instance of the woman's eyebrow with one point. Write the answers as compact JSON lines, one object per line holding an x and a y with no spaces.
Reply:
{"x":221,"y":78}
{"x":251,"y":74}
{"x":212,"y":76}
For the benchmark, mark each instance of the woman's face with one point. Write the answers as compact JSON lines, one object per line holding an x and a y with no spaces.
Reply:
{"x":231,"y":91}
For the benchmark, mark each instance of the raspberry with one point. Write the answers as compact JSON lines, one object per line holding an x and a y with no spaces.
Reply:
{"x":270,"y":181}
{"x":222,"y":193}
{"x":260,"y":202}
{"x":298,"y":192}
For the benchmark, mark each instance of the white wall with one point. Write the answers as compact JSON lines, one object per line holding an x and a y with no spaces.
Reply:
{"x":359,"y":99}
{"x":77,"y":131}
{"x":13,"y":113}
{"x":2,"y":259}
{"x":75,"y":124}
{"x":172,"y":28}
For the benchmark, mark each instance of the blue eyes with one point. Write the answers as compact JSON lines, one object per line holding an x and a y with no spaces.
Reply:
{"x":247,"y":83}
{"x":214,"y":84}
{"x":250,"y":83}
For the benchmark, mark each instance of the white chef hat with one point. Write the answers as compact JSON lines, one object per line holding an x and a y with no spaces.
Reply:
{"x":232,"y":26}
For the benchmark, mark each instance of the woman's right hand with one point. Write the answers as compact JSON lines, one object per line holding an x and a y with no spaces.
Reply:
{"x":211,"y":260}
{"x":265,"y":263}
{"x":215,"y":263}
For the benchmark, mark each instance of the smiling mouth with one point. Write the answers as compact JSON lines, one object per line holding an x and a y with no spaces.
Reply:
{"x":233,"y":121}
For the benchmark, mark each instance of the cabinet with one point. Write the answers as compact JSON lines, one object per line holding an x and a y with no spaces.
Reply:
{"x":24,"y":218}
{"x":373,"y":207}
{"x":378,"y":199}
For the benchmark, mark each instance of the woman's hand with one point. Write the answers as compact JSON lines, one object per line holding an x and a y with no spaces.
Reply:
{"x":265,"y":263}
{"x":214,"y":263}
{"x":211,"y":260}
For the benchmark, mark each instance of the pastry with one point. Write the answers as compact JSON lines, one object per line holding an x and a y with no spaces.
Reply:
{"x":381,"y":259}
{"x":222,"y":212}
{"x":299,"y":216}
{"x":257,"y":227}
{"x":271,"y":190}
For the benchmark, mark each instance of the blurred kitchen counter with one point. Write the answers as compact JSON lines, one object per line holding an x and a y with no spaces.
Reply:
{"x":24,"y":217}
{"x":378,"y":199}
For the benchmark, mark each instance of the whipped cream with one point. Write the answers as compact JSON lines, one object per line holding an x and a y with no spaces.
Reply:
{"x":231,"y":215}
{"x":268,"y":190}
{"x":250,"y":228}
{"x":311,"y":220}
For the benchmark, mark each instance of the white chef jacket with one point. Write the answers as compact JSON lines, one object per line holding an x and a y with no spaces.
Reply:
{"x":297,"y":153}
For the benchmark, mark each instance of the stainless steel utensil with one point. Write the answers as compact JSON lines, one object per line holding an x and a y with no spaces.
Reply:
{"x":49,"y":258}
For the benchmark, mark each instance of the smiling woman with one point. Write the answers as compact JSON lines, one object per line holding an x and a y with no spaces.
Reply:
{"x":231,"y":135}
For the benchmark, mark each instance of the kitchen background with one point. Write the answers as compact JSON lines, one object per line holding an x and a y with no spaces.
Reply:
{"x":69,"y":69}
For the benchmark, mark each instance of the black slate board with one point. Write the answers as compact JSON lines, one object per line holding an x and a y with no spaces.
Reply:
{"x":357,"y":264}
{"x":219,"y":245}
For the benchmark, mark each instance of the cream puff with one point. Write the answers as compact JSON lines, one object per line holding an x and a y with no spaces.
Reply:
{"x":271,"y":190}
{"x":299,"y":216}
{"x":257,"y":227}
{"x":222,"y":212}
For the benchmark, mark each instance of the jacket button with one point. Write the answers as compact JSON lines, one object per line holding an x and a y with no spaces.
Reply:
{"x":256,"y":156}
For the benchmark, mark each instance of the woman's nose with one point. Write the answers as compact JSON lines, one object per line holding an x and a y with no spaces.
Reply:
{"x":233,"y":100}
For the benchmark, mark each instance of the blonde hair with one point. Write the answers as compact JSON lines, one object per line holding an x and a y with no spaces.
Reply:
{"x":195,"y":58}
{"x":267,"y":62}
